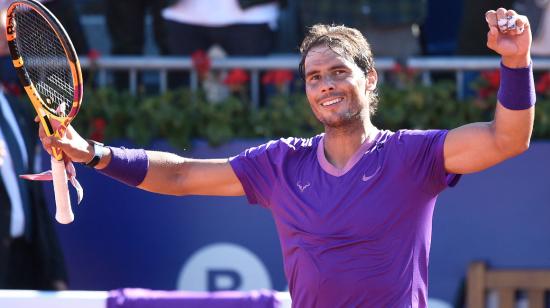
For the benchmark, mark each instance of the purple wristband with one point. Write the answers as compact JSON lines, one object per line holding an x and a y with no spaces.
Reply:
{"x":127,"y":165}
{"x":517,"y":87}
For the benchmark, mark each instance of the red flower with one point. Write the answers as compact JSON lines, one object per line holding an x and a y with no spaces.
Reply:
{"x":406,"y":72}
{"x":485,"y":92}
{"x":94,"y":54}
{"x":543,"y":84}
{"x":236,"y":77}
{"x":491,"y":83}
{"x":12,"y":88}
{"x":277,"y":77}
{"x":397,"y":68}
{"x":492,"y":77}
{"x":201,"y":62}
{"x":98,"y":131}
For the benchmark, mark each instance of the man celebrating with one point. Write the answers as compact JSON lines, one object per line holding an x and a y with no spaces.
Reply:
{"x":353,"y":206}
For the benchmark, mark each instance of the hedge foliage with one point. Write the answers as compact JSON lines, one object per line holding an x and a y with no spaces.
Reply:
{"x":180,"y":116}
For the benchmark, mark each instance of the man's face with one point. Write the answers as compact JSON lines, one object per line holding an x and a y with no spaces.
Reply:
{"x":336,"y":88}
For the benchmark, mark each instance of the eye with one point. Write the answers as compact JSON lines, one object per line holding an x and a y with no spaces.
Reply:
{"x":340,"y":73}
{"x":314,"y":77}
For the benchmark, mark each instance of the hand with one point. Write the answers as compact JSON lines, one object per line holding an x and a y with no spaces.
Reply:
{"x":74,"y":147}
{"x":510,"y":36}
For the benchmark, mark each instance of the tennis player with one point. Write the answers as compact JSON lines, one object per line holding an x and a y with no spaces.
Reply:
{"x":353,"y":206}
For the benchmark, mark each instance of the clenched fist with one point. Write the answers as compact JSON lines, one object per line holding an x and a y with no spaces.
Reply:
{"x":510,"y":36}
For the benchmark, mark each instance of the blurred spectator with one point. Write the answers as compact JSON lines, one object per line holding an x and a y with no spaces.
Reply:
{"x":534,"y":9}
{"x":126,"y":25}
{"x":541,"y":38}
{"x":289,"y":33}
{"x":473,"y":29}
{"x":391,"y":27}
{"x":30,"y":256}
{"x":69,"y":16}
{"x":472,"y":36}
{"x":239,"y":27}
{"x":438,"y":36}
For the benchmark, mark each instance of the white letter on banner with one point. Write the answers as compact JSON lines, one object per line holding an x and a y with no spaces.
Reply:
{"x":223,"y":266}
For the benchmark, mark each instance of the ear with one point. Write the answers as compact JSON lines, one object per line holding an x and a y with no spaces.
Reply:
{"x":371,"y":81}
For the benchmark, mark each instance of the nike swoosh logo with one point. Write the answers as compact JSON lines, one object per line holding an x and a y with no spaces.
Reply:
{"x":367,"y":178}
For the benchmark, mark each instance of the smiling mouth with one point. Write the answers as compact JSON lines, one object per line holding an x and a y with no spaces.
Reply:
{"x":332,"y":102}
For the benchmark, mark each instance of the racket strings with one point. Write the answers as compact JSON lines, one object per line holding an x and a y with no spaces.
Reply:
{"x":45,"y":61}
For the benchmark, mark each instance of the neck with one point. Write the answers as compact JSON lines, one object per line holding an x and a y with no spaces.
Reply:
{"x":341,"y":143}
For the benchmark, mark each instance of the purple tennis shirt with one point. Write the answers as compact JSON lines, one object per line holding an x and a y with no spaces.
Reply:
{"x":353,"y":237}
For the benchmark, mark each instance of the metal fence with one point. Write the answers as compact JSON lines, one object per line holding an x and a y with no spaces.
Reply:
{"x":255,"y":65}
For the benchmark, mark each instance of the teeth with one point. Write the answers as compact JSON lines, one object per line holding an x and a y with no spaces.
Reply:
{"x":331,"y":102}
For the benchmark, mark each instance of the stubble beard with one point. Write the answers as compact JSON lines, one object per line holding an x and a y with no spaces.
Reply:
{"x":348,"y":119}
{"x":342,"y":120}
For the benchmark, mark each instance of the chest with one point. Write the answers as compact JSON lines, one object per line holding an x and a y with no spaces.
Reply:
{"x":366,"y":201}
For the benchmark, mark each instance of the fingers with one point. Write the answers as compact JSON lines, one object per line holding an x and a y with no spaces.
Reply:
{"x":49,"y":142}
{"x":41,"y":132}
{"x":46,"y":145}
{"x":522,"y":23}
{"x":501,"y":14}
{"x":74,"y":147}
{"x":491,"y":18}
{"x":506,"y":21}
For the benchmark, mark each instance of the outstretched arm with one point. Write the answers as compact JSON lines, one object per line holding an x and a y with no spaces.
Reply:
{"x":175,"y":175}
{"x":478,"y":146}
{"x":166,"y":173}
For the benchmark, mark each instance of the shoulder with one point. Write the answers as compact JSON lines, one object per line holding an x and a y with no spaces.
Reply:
{"x":410,"y":136}
{"x":408,"y":141}
{"x":285,"y":146}
{"x":275,"y":153}
{"x":299,"y":144}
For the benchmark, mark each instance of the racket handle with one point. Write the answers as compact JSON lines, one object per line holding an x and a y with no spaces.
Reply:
{"x":64,"y":213}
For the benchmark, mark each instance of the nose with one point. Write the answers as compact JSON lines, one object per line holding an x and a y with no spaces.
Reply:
{"x":327,"y":84}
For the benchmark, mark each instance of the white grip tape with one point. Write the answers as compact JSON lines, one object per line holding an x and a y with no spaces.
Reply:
{"x":64,"y":213}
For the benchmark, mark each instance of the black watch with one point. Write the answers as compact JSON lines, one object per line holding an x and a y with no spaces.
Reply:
{"x":98,"y":153}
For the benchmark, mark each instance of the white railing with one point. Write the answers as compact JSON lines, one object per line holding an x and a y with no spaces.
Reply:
{"x":426,"y":65}
{"x":98,"y":299}
{"x":255,"y":65}
{"x":72,"y":299}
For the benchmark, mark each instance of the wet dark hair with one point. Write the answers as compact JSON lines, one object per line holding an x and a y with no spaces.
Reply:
{"x":344,"y":41}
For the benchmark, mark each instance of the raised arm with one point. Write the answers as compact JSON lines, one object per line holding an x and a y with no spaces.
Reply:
{"x":477,"y":146}
{"x":166,"y":173}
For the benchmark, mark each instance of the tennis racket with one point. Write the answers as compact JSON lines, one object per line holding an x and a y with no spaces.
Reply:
{"x":48,"y":68}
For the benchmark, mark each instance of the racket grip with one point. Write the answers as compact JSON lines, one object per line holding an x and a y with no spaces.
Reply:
{"x":63,"y":213}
